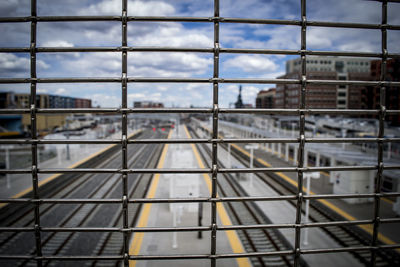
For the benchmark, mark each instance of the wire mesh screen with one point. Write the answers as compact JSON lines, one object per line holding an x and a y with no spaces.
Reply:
{"x":215,"y":111}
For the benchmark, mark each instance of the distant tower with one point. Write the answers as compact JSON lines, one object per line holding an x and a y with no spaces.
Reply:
{"x":239,"y":102}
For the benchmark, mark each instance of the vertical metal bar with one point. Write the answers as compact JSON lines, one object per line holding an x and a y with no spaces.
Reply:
{"x":35,"y":186}
{"x":381,"y":133}
{"x":124,"y":104}
{"x":215,"y":135}
{"x":300,"y":161}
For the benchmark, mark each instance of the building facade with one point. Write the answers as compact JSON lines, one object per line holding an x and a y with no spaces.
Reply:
{"x":17,"y":100}
{"x":324,"y":96}
{"x":392,"y":99}
{"x":266,"y":98}
{"x":147,"y":104}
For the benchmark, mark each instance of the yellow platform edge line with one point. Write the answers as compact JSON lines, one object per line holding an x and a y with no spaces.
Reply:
{"x":368,"y":228}
{"x":232,"y":236}
{"x":52,"y":177}
{"x":136,"y":243}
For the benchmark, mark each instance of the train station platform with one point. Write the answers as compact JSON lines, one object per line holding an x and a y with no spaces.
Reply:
{"x":281,"y":212}
{"x":181,"y":214}
{"x":389,"y":233}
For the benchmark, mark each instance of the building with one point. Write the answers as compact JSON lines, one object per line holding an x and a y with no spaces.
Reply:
{"x":392,"y":100}
{"x":83,"y":103}
{"x":17,"y":100}
{"x":147,"y":104}
{"x":266,"y":98}
{"x":7,"y":100}
{"x":325,"y":96}
{"x":44,"y":122}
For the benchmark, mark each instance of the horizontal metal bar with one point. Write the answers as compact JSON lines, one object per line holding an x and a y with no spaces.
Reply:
{"x":60,"y":141}
{"x":335,"y":250}
{"x":389,"y":220}
{"x":194,"y":50}
{"x":197,"y":228}
{"x":201,"y":19}
{"x":395,"y":246}
{"x":61,"y":258}
{"x":190,"y":200}
{"x":194,"y":80}
{"x":205,"y":170}
{"x":336,"y":223}
{"x":352,"y":140}
{"x":340,"y":196}
{"x":199,"y":141}
{"x":201,"y":110}
{"x":127,"y":171}
{"x":296,"y":169}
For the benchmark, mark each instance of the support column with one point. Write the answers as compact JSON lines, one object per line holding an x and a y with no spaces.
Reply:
{"x":295,"y":156}
{"x":287,"y":152}
{"x":305,"y":157}
{"x":279,"y":150}
{"x":332,"y":164}
{"x":317,"y":159}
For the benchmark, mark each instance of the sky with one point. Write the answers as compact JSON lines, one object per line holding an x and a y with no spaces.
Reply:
{"x":175,"y":34}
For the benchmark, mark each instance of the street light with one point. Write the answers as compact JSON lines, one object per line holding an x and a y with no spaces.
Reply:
{"x":308,"y":176}
{"x":251,"y":148}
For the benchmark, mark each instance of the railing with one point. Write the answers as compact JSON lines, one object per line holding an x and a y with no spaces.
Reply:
{"x":215,"y":110}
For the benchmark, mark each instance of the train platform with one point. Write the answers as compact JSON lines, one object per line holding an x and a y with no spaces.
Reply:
{"x":281,"y":212}
{"x":388,"y":233}
{"x":181,"y":214}
{"x":17,"y":185}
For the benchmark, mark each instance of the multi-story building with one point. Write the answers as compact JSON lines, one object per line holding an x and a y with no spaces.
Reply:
{"x":17,"y":100}
{"x":392,"y":100}
{"x":324,"y":96}
{"x":266,"y":98}
{"x":83,"y":103}
{"x":147,"y":104}
{"x":7,"y":100}
{"x":44,"y":122}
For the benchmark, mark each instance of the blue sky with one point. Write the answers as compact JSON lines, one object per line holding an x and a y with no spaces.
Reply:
{"x":179,"y":35}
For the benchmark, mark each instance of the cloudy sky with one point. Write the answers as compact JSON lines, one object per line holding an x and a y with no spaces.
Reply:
{"x":197,"y":65}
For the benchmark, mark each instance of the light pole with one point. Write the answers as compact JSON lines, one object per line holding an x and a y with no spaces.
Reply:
{"x":251,"y":147}
{"x":308,"y":176}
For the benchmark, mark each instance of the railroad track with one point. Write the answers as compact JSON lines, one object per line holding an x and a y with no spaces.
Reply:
{"x":97,"y":186}
{"x":247,"y":213}
{"x":346,"y":236}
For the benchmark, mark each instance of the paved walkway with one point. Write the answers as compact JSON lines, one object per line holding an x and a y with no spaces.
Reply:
{"x":180,"y":214}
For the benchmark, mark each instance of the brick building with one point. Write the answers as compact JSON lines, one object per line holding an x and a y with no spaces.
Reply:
{"x":266,"y":98}
{"x":324,"y":96}
{"x":392,"y":100}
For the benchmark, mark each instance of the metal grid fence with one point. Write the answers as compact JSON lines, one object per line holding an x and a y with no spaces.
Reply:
{"x":215,"y":110}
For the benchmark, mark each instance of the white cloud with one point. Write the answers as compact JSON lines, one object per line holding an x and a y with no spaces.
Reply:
{"x":135,"y":8}
{"x":249,"y":93}
{"x":168,"y":64}
{"x":171,"y":34}
{"x":136,"y":96}
{"x":106,"y":100}
{"x":42,"y":91}
{"x":12,"y":65}
{"x":252,"y":63}
{"x":57,"y":43}
{"x":61,"y":91}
